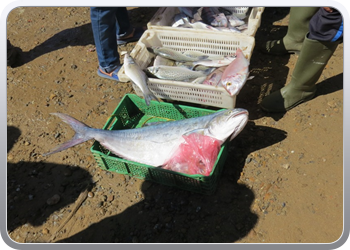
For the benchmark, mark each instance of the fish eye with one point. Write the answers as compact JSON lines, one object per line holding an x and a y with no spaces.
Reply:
{"x":228,"y":83}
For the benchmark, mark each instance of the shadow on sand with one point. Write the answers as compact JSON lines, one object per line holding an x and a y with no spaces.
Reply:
{"x":172,"y":215}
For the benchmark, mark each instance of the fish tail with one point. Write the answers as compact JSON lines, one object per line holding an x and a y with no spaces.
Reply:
{"x":150,"y":96}
{"x":185,"y":20}
{"x":186,"y":24}
{"x":80,"y":136}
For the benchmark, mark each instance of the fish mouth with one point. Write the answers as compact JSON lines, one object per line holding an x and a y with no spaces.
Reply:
{"x":229,"y":125}
{"x":237,"y":112}
{"x":239,"y":127}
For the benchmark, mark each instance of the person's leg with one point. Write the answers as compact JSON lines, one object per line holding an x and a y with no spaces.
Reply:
{"x":104,"y":29}
{"x":298,"y":27}
{"x":124,"y":28}
{"x":125,"y":31}
{"x":326,"y":32}
{"x":313,"y":58}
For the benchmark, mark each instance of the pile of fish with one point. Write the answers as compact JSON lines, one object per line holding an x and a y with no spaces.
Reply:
{"x":210,"y":18}
{"x":156,"y":145}
{"x":230,"y":71}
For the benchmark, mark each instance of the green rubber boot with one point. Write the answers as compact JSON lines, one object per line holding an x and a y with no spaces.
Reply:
{"x":302,"y":87}
{"x":298,"y":27}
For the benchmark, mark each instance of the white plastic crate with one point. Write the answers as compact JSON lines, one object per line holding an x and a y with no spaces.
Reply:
{"x":240,"y":12}
{"x":163,"y":19}
{"x":195,"y":40}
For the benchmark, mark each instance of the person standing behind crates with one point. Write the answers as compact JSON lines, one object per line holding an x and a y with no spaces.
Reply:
{"x":324,"y":34}
{"x":111,"y":27}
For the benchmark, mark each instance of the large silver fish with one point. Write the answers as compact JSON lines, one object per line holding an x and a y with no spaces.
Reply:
{"x":174,"y":55}
{"x":236,"y":74}
{"x":196,"y":54}
{"x":159,"y":60}
{"x":196,"y":25}
{"x":155,"y":144}
{"x":134,"y":72}
{"x":176,"y":73}
{"x":189,"y":65}
{"x":216,"y":62}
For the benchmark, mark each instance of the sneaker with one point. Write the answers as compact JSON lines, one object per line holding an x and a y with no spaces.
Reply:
{"x":136,"y":36}
{"x":112,"y":75}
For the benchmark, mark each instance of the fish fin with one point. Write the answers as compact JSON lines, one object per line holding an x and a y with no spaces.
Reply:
{"x":185,"y":20}
{"x":150,"y":96}
{"x":250,"y":77}
{"x":74,"y":141}
{"x":209,"y":71}
{"x":152,"y":123}
{"x":218,"y":83}
{"x":199,"y":80}
{"x":186,"y":24}
{"x":204,"y":58}
{"x":244,"y":70}
{"x":79,"y":137}
{"x":209,"y":80}
{"x":200,"y":131}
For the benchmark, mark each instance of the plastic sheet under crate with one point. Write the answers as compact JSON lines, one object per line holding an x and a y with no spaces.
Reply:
{"x":183,"y":40}
{"x":163,"y":18}
{"x":132,"y":112}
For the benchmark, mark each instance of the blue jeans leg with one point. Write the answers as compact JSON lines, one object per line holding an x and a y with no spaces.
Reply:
{"x":124,"y":27}
{"x":106,"y":23}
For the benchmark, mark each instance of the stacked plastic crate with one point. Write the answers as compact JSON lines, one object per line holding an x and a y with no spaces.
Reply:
{"x":132,"y":110}
{"x":160,"y":33}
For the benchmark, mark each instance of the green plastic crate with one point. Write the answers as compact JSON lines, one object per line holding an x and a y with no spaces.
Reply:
{"x":132,"y":112}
